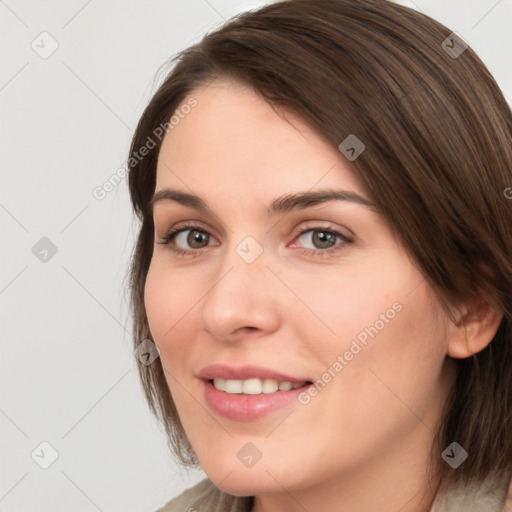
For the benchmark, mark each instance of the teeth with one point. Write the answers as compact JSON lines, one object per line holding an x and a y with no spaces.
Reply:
{"x":220,"y":384}
{"x":270,"y":386}
{"x":233,"y":386}
{"x":254,"y":386}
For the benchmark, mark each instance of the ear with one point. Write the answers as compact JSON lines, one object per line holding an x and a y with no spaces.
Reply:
{"x":476,"y":326}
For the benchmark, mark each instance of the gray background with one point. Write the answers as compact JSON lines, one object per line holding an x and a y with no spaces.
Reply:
{"x":68,"y":376}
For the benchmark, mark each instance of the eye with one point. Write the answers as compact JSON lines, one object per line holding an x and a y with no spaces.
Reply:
{"x":186,"y":239}
{"x":323,"y":240}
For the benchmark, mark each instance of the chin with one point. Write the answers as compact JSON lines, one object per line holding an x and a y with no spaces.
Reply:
{"x":230,"y":475}
{"x":247,"y":483}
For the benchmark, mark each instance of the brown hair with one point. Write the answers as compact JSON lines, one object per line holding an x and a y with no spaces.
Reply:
{"x":438,"y":160}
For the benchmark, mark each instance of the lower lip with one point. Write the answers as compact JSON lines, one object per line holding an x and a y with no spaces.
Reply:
{"x":248,"y":407}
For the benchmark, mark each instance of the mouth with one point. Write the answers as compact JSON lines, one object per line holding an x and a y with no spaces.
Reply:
{"x":255,"y":386}
{"x":249,"y":393}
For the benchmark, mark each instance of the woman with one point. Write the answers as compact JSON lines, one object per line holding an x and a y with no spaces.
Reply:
{"x":324,"y":264}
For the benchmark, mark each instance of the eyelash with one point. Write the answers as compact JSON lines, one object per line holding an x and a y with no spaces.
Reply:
{"x":172,"y":233}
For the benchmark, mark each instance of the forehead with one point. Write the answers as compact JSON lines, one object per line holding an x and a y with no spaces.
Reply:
{"x":234,"y":136}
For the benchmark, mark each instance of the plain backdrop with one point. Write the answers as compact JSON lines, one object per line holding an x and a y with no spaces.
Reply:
{"x":74,"y":79}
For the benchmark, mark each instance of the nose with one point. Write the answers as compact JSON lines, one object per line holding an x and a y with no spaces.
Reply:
{"x":242,"y":300}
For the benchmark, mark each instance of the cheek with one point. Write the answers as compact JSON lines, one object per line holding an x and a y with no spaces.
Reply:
{"x":383,"y":322}
{"x":169,"y":303}
{"x":172,"y":311}
{"x":345,"y":304}
{"x":387,"y":385}
{"x":397,"y":372}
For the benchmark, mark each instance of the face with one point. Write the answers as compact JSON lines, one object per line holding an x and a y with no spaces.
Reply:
{"x":264,"y":294}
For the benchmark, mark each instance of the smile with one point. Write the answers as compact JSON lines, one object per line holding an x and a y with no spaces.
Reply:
{"x":254,"y":386}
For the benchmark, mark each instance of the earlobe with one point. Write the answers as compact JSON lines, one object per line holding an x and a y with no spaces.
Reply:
{"x":476,"y":326}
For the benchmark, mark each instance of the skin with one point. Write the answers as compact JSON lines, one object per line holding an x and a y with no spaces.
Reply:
{"x":363,"y":443}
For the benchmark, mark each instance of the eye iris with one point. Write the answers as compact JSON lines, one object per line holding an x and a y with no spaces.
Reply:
{"x":323,"y":237}
{"x":196,"y":236}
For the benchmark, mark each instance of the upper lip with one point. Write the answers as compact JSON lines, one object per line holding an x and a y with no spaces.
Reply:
{"x":245,"y":372}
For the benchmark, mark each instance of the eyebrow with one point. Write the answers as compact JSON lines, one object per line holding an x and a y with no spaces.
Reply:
{"x":283,"y":204}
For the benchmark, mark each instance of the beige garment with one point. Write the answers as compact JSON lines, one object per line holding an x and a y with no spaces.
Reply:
{"x":491,"y":496}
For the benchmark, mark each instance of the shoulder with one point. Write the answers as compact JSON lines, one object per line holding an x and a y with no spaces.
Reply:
{"x":206,"y":497}
{"x":488,"y":496}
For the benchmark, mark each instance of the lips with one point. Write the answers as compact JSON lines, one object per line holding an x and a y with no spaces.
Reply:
{"x":243,"y":403}
{"x":222,"y":371}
